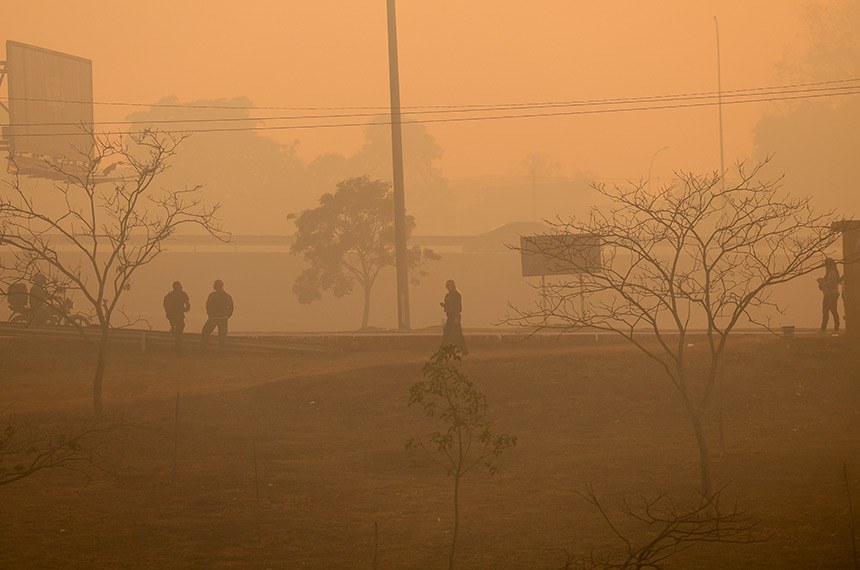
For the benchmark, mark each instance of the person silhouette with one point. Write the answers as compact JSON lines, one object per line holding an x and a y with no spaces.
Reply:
{"x":829,"y":286}
{"x":452,"y":333}
{"x":40,"y":307}
{"x":176,"y":304}
{"x":219,"y":308}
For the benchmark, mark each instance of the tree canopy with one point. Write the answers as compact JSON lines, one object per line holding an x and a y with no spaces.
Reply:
{"x":426,"y":187}
{"x":348,"y":239}
{"x":814,"y":141}
{"x":256,"y":179}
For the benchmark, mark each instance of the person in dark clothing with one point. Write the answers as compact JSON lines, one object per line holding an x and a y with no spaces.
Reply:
{"x":40,"y":308}
{"x":452,"y":333}
{"x":829,"y":285}
{"x":176,"y":304}
{"x":219,"y":308}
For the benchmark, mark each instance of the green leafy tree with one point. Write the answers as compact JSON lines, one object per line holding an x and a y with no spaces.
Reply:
{"x":428,"y":194}
{"x":467,"y":441}
{"x":349,"y":239}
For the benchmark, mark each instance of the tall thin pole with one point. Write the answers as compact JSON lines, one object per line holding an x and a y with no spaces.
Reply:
{"x":400,"y":251}
{"x":720,"y":104}
{"x":720,"y":394}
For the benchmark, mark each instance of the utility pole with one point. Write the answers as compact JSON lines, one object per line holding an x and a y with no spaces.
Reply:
{"x":400,"y":250}
{"x":720,"y":104}
{"x":720,"y":394}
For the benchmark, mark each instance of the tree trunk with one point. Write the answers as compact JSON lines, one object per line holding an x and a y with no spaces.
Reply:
{"x":365,"y":318}
{"x":101,"y":361}
{"x":456,"y":521}
{"x":704,"y":454}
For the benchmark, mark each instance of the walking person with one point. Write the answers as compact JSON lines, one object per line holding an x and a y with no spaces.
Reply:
{"x":219,"y":308}
{"x":176,"y":304}
{"x":452,"y":333}
{"x":829,"y":285}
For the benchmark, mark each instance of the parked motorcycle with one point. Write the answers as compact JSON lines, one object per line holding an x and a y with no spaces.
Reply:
{"x":24,"y":314}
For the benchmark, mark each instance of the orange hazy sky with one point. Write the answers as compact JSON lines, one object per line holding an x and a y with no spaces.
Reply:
{"x":333,"y":53}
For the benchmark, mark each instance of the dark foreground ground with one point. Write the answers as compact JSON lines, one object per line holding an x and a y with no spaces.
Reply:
{"x":329,"y":429}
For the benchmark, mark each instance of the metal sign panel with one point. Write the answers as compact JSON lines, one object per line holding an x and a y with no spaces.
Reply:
{"x":563,"y":254}
{"x":50,"y":104}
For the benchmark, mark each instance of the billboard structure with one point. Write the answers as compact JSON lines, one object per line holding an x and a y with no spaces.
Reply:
{"x":850,"y":230}
{"x":50,"y":110}
{"x":562,"y":254}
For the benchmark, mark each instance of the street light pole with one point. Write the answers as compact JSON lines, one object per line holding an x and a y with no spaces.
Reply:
{"x":400,"y":249}
{"x":651,"y":164}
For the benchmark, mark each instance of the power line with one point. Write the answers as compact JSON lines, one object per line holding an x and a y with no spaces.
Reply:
{"x":671,"y":96}
{"x":468,"y":109}
{"x":448,"y":106}
{"x":854,"y":91}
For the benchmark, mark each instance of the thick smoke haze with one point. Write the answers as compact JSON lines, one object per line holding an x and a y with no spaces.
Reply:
{"x":326,"y":62}
{"x":333,"y":54}
{"x":429,"y":284}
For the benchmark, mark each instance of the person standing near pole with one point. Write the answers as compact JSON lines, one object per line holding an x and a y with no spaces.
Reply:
{"x":829,"y":285}
{"x":452,"y":333}
{"x":219,"y":308}
{"x":176,"y":304}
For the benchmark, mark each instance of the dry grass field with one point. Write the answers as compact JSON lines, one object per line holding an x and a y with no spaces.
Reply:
{"x":329,"y":432}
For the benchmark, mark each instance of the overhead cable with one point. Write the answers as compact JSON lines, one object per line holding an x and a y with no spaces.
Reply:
{"x":650,"y":107}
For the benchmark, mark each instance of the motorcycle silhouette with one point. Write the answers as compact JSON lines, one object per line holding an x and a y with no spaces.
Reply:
{"x":57,"y":313}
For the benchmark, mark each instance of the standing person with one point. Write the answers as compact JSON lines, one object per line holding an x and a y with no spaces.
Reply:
{"x":219,"y":308}
{"x":176,"y":304}
{"x":452,"y":333}
{"x":829,"y":285}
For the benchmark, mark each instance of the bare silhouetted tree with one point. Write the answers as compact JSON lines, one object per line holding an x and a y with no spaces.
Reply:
{"x":26,"y":450}
{"x":667,"y":528}
{"x":699,"y":253}
{"x":91,"y":233}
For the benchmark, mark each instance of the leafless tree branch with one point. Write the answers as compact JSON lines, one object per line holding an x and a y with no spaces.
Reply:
{"x":104,"y":229}
{"x":692,"y":253}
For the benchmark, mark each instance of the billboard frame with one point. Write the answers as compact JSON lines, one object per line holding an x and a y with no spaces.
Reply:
{"x":50,"y":108}
{"x":560,"y":254}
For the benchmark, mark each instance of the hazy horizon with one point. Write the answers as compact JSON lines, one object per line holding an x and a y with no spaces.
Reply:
{"x":312,"y":55}
{"x":325,"y":64}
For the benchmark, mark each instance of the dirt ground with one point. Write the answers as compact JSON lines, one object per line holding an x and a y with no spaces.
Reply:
{"x":329,"y":431}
